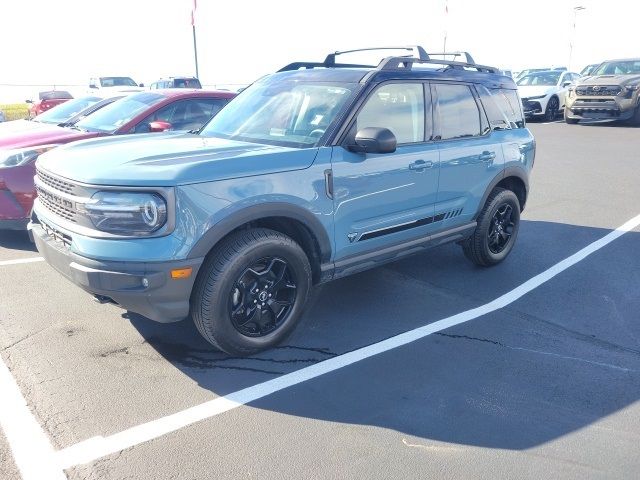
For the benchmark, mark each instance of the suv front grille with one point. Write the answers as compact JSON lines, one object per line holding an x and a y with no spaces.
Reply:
{"x":55,"y":183}
{"x":56,"y":204}
{"x":56,"y":195}
{"x":599,"y":90}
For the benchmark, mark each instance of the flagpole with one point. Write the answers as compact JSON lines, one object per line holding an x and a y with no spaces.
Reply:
{"x":193,"y":27}
{"x":446,"y":25}
{"x":195,"y":50}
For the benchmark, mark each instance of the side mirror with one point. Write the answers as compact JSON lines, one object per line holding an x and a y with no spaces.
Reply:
{"x":141,"y":85}
{"x":28,"y":101}
{"x":374,"y":140}
{"x":159,"y":126}
{"x":566,"y":84}
{"x":93,"y":85}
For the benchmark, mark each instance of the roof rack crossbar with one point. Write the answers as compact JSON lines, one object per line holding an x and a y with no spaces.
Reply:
{"x":330,"y":60}
{"x":310,"y":65}
{"x":467,"y":56}
{"x":395,"y":63}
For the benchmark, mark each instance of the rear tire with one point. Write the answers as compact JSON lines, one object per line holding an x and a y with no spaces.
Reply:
{"x":496,"y":230}
{"x":251,"y":291}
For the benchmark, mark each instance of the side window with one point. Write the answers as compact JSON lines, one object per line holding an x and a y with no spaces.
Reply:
{"x":510,"y":104}
{"x":193,"y":114}
{"x":458,"y":112}
{"x":497,"y":118}
{"x":164,"y":114}
{"x":398,"y":107}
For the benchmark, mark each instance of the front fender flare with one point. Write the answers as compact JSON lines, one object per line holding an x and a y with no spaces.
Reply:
{"x":257,"y":212}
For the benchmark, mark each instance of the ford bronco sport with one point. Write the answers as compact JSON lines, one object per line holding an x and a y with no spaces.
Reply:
{"x":612,"y":92}
{"x":315,"y":172}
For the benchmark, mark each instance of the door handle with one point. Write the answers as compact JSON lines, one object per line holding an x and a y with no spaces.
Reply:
{"x":487,"y":156}
{"x":420,"y":165}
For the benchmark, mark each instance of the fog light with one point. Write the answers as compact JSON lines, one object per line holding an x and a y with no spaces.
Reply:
{"x":145,"y":282}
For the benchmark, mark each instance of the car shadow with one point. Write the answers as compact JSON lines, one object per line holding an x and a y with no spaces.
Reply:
{"x":564,"y":356}
{"x":16,"y":240}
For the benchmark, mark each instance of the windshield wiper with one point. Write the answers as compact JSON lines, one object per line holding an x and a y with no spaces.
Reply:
{"x":75,"y":127}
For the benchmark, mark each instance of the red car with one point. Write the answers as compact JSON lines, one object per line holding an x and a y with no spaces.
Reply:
{"x":143,"y":112}
{"x":47,"y":100}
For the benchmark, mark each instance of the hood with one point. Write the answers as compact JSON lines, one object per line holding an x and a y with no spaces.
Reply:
{"x":610,"y":80}
{"x":122,"y":89}
{"x":169,"y":159}
{"x":43,"y":134}
{"x":529,"y":91}
{"x":20,"y":126}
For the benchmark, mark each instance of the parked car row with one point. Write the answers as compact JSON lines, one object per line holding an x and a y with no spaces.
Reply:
{"x":22,"y":141}
{"x":604,"y":92}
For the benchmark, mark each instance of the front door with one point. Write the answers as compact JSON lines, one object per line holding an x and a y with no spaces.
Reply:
{"x":382,"y":199}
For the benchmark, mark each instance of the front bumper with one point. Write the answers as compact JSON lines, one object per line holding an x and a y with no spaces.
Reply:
{"x":599,"y":108}
{"x":159,"y":297}
{"x":531,"y":108}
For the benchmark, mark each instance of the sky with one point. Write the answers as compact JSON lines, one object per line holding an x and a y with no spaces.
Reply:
{"x":68,"y":41}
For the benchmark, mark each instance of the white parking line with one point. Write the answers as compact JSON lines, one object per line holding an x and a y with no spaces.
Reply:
{"x":32,"y":451}
{"x":21,"y":260}
{"x":97,"y":447}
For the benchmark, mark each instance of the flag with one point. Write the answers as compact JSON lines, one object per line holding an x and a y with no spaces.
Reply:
{"x":193,"y":13}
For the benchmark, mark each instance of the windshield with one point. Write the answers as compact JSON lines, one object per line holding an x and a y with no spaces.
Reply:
{"x":186,"y":83}
{"x":117,"y":82}
{"x":112,"y":117}
{"x":54,"y":95}
{"x":63,"y":112}
{"x":543,"y":78}
{"x":284,"y":113}
{"x":618,"y":68}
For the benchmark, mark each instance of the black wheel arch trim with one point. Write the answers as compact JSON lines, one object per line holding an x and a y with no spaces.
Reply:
{"x":517,"y":172}
{"x":258,"y":212}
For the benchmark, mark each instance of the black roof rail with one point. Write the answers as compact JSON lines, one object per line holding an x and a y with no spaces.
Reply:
{"x":330,"y":60}
{"x":396,"y":62}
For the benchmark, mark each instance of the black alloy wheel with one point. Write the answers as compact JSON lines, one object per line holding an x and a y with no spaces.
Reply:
{"x":263,"y":297}
{"x":552,"y":109}
{"x":501,"y":230}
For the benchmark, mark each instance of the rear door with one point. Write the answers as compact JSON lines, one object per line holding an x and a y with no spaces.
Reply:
{"x":470,"y":155}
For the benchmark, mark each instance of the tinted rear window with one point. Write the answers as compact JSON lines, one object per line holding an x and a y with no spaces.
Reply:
{"x":509,"y":103}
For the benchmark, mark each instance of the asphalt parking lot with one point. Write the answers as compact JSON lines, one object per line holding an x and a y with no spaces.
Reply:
{"x":546,"y":386}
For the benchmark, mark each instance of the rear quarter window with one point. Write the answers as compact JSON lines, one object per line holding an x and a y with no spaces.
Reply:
{"x":509,"y":103}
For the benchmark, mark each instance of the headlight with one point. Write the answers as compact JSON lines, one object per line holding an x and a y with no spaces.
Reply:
{"x":126,"y":213}
{"x":536,"y":98}
{"x":22,"y":156}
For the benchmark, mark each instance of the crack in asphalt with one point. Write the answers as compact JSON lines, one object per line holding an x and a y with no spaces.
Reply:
{"x":205,"y":358}
{"x":540,"y":352}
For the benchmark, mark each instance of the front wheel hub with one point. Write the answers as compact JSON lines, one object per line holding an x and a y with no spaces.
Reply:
{"x":262,"y":297}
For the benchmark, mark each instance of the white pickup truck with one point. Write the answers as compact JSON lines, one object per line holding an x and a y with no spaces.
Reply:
{"x":114,"y":84}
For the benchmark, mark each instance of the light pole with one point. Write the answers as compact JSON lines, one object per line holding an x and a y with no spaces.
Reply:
{"x":576,"y":9}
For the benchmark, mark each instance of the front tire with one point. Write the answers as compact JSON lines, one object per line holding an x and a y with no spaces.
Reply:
{"x":551,"y":111}
{"x":570,"y":121}
{"x":251,"y":291}
{"x":496,"y":230}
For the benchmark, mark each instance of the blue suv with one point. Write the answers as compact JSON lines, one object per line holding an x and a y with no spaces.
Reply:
{"x":313,"y":173}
